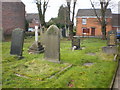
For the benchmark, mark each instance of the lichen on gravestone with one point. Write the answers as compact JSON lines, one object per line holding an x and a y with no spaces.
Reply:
{"x":52,"y":44}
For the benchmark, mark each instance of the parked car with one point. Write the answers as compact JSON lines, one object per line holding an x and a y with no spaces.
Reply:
{"x":30,"y":29}
{"x":118,"y":35}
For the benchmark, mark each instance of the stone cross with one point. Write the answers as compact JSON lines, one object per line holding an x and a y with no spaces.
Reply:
{"x":17,"y":42}
{"x":36,"y":33}
{"x":52,"y":44}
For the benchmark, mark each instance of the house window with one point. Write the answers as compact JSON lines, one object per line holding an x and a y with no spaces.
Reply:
{"x":86,"y":30}
{"x":84,"y":21}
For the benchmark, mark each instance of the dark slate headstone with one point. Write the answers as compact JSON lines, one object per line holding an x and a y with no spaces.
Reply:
{"x":17,"y":42}
{"x":52,"y":44}
{"x":1,"y":35}
{"x":76,"y":43}
{"x":64,"y":32}
{"x":111,"y":40}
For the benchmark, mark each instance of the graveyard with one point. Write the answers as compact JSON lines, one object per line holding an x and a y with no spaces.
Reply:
{"x":87,"y":67}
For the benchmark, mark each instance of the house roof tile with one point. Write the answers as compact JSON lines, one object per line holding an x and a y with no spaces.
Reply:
{"x":90,"y":12}
{"x":31,"y":16}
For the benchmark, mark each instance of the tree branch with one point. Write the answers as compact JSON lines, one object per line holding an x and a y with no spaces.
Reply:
{"x":96,"y":12}
{"x":45,"y":5}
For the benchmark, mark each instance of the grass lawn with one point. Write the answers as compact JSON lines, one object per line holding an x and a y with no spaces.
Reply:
{"x":35,"y":72}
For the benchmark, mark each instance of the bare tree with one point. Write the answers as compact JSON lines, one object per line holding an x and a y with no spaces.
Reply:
{"x":102,"y":19}
{"x":71,"y":22}
{"x":42,"y":7}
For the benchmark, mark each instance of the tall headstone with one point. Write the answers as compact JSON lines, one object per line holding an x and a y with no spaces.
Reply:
{"x":76,"y":43}
{"x":17,"y":42}
{"x":52,"y":44}
{"x":112,"y":40}
{"x":63,"y":32}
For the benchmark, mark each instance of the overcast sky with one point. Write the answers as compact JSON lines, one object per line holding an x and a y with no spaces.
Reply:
{"x":54,"y":5}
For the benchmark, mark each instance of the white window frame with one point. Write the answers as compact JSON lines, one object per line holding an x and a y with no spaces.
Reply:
{"x":84,"y":21}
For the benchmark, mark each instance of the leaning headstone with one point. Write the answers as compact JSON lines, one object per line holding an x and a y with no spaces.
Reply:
{"x":17,"y":42}
{"x":52,"y":44}
{"x":76,"y":43}
{"x":111,"y":39}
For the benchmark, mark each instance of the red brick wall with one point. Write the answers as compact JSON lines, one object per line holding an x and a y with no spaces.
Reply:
{"x":13,"y":16}
{"x":92,"y":22}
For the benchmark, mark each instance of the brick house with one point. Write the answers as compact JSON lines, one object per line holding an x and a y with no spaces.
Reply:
{"x":116,"y":22}
{"x":33,"y":20}
{"x":13,"y":16}
{"x":87,"y":23}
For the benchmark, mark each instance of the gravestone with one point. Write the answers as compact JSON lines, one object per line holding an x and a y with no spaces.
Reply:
{"x":111,"y":47}
{"x":76,"y":42}
{"x":111,"y":39}
{"x":17,"y":42}
{"x":1,"y":35}
{"x":52,"y":44}
{"x":61,"y":36}
{"x":64,"y":32}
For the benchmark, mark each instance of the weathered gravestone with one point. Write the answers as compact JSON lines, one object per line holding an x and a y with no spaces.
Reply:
{"x":1,"y":35}
{"x":17,"y":42}
{"x":76,"y":43}
{"x":111,"y":39}
{"x":64,"y":32}
{"x":52,"y":44}
{"x":111,"y":47}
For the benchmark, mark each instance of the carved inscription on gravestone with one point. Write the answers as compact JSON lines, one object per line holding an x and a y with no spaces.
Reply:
{"x":111,"y":38}
{"x":17,"y":42}
{"x":52,"y":44}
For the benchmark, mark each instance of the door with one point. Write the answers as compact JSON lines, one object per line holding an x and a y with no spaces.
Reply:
{"x":92,"y":31}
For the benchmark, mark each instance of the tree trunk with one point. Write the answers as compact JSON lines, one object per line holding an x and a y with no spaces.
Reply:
{"x":71,"y":31}
{"x":104,"y":32}
{"x":41,"y":12}
{"x":71,"y":23}
{"x":102,"y":19}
